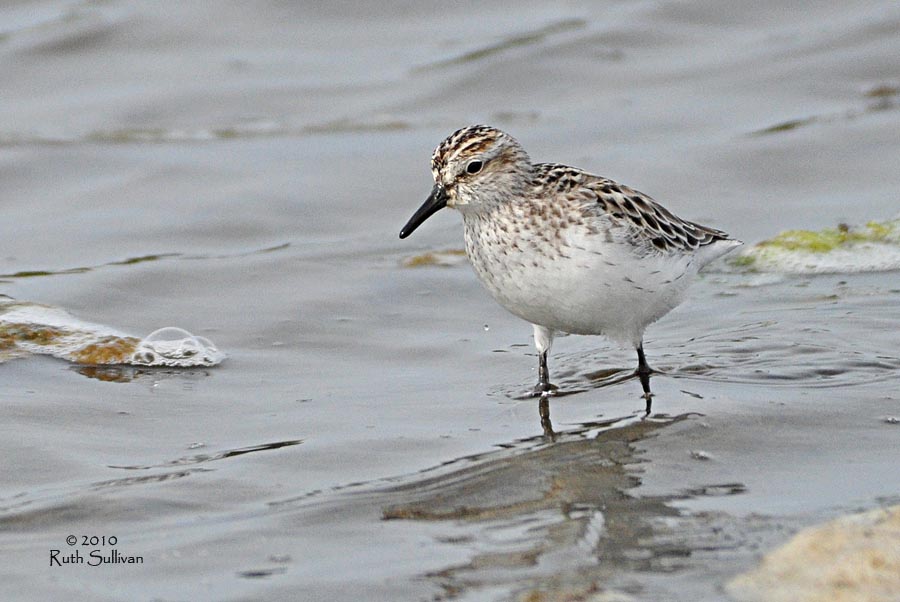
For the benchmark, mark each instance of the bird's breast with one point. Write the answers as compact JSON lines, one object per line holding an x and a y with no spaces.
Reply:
{"x":572,"y":279}
{"x":526,"y":268}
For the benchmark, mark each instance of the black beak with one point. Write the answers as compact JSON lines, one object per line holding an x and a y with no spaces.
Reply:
{"x":436,"y":201}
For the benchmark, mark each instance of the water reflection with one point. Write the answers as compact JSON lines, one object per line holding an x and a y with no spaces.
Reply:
{"x":127,"y":374}
{"x":553,"y":511}
{"x":582,"y":429}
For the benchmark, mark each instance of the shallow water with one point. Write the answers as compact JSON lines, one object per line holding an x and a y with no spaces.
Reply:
{"x":242,"y":172}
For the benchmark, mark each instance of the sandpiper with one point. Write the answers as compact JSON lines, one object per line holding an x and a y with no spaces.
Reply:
{"x":566,"y":250}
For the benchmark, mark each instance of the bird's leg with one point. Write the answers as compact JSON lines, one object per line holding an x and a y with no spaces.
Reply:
{"x":644,"y":371}
{"x":543,"y":339}
{"x":546,"y":424}
{"x":544,"y":385}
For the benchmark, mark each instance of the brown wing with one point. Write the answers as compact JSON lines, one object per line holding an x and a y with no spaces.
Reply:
{"x":650,"y":224}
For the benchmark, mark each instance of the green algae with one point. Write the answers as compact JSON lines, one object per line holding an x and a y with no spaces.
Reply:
{"x":798,"y":244}
{"x":742,"y":261}
{"x":829,"y":239}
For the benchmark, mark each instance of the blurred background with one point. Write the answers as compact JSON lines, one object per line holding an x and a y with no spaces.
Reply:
{"x":242,"y":170}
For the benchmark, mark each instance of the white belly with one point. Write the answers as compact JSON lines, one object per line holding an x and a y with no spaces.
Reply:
{"x":583,"y":286}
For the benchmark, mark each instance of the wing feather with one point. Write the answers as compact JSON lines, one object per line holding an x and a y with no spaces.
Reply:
{"x":648,"y":224}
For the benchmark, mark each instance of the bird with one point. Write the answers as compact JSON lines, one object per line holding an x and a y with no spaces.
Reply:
{"x":563,"y":249}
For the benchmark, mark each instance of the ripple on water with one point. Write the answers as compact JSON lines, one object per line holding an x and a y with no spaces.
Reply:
{"x":834,"y":332}
{"x":778,"y":354}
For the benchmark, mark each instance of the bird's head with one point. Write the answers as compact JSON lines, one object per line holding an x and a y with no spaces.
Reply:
{"x":474,"y":168}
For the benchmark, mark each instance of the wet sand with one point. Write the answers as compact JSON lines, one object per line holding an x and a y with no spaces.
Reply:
{"x":242,"y":172}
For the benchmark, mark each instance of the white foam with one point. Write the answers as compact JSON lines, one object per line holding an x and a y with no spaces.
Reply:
{"x":171,"y":346}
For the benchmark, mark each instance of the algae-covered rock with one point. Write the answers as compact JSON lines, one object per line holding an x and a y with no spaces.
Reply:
{"x":870,"y":248}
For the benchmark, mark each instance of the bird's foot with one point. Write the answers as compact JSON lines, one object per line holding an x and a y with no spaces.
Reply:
{"x":544,"y":389}
{"x":648,"y":398}
{"x":643,"y":373}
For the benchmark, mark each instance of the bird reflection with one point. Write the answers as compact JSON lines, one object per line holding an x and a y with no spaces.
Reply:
{"x":544,"y":403}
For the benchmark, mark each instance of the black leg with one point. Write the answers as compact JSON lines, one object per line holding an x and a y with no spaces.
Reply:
{"x":644,"y":371}
{"x":546,"y":424}
{"x":543,"y":387}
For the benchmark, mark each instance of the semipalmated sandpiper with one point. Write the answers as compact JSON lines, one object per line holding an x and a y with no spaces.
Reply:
{"x":566,"y":250}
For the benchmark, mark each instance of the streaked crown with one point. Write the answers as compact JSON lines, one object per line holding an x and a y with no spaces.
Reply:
{"x":479,"y":162}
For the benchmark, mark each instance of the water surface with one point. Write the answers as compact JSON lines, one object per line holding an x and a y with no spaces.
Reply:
{"x":242,"y":172}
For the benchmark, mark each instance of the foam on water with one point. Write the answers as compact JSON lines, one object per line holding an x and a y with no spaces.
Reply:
{"x":171,"y":346}
{"x":27,"y":328}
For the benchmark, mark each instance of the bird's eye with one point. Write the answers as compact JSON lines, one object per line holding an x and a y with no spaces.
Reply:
{"x":474,"y":166}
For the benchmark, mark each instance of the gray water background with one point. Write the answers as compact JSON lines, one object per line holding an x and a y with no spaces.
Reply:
{"x":261,"y":158}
